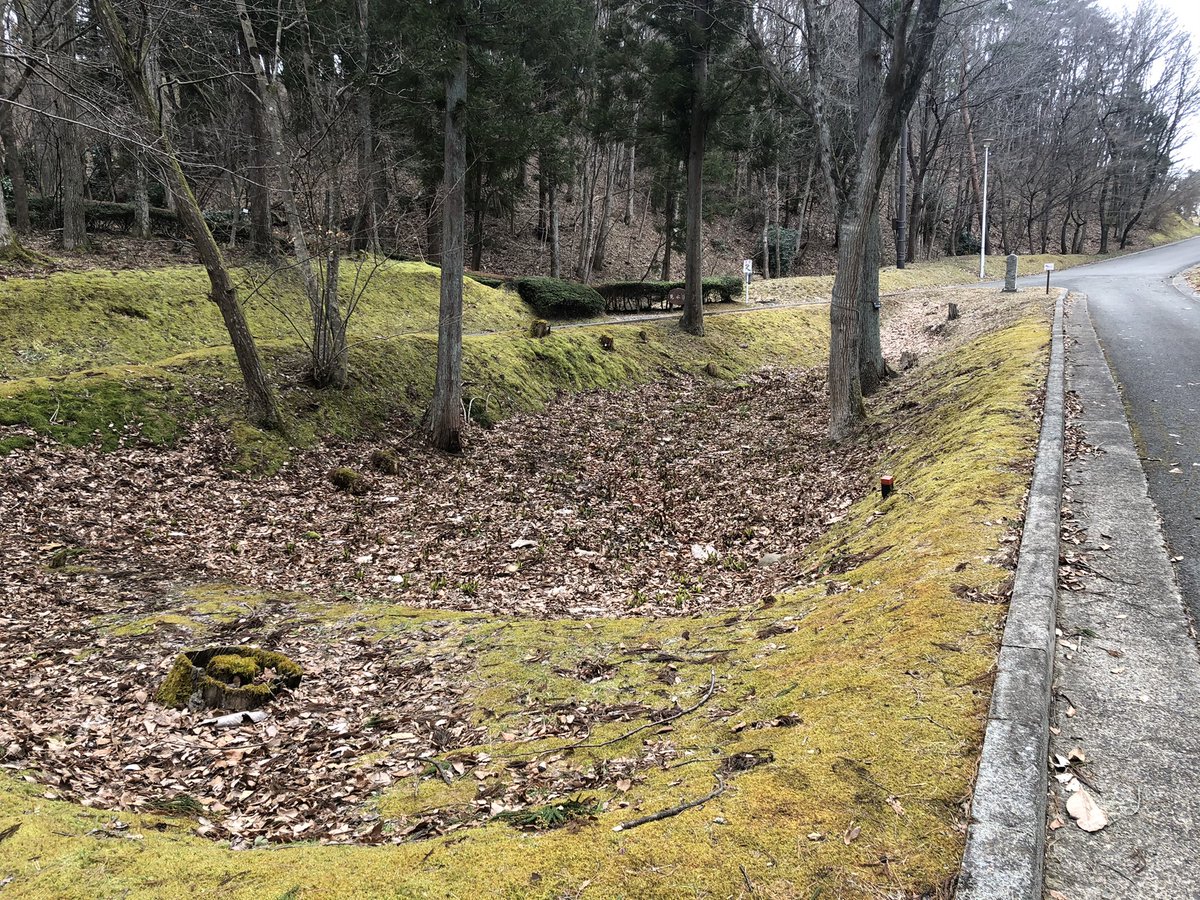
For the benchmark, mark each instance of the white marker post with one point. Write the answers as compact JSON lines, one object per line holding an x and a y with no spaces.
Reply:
{"x":747,"y":271}
{"x":1049,"y":269}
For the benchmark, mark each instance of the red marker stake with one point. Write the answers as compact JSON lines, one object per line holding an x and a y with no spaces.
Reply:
{"x":885,"y":486}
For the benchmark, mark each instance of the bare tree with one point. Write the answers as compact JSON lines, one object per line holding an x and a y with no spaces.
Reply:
{"x":260,"y":399}
{"x":914,"y":29}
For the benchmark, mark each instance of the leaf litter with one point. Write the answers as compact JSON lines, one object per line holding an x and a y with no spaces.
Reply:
{"x":594,"y":507}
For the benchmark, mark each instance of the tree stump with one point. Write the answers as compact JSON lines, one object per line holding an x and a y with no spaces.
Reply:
{"x":233,"y":678}
{"x":539,"y":329}
{"x":952,"y":312}
{"x":606,"y":343}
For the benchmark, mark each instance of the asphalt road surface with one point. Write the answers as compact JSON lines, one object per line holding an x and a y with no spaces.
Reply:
{"x":1150,"y":333}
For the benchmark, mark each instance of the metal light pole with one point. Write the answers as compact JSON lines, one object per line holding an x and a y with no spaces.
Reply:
{"x":987,"y":147}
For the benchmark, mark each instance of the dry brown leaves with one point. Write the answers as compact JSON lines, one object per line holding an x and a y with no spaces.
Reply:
{"x":614,"y":491}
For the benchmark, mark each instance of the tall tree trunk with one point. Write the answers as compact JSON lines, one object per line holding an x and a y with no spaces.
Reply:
{"x":627,"y":217}
{"x":12,"y":154}
{"x":819,"y":112}
{"x":802,"y":220}
{"x":10,"y":247}
{"x":766,"y":240}
{"x":368,"y":175}
{"x":909,"y":60}
{"x":693,"y":283}
{"x":445,"y":418}
{"x":871,"y":367}
{"x":477,"y":219}
{"x":72,"y":176}
{"x":141,"y":199}
{"x":668,"y":233}
{"x":260,"y":402}
{"x":543,"y":180}
{"x":16,"y":172}
{"x":610,"y":184}
{"x":258,"y":178}
{"x":328,"y":358}
{"x":555,"y":246}
{"x":587,"y":188}
{"x":778,"y":226}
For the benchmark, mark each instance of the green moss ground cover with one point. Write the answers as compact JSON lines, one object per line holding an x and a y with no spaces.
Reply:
{"x":865,"y":686}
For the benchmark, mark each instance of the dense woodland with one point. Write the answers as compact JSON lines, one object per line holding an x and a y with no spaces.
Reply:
{"x":590,"y":141}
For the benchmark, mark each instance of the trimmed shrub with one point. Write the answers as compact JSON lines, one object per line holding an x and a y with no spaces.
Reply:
{"x":727,"y":287}
{"x":555,"y":299}
{"x":634,"y":296}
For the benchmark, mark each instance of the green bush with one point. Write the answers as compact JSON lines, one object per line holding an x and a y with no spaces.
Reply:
{"x":555,"y":299}
{"x":727,"y":287}
{"x":632,"y":296}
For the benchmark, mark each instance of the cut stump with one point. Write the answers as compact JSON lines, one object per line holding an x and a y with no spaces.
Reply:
{"x":234,"y":678}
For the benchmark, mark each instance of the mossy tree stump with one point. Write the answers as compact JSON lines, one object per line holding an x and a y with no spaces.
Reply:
{"x":233,"y":678}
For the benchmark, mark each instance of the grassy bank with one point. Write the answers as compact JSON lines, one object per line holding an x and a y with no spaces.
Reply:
{"x":104,"y":358}
{"x":839,"y":721}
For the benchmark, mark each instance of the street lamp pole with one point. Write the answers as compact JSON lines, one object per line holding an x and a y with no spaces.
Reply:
{"x":987,"y":147}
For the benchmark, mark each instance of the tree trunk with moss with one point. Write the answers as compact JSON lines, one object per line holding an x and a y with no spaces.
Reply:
{"x":14,"y":165}
{"x":693,"y":287}
{"x":141,"y":199}
{"x":260,"y":399}
{"x":910,"y":51}
{"x":871,"y":367}
{"x":445,"y":417}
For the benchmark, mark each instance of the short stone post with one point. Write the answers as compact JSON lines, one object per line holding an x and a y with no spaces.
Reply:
{"x":1010,"y":274}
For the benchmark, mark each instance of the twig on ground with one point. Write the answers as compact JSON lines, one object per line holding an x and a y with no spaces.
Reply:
{"x":712,"y":686}
{"x":674,"y":810}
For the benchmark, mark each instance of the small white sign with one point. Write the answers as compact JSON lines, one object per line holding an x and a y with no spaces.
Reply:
{"x":747,"y":267}
{"x":1049,"y":267}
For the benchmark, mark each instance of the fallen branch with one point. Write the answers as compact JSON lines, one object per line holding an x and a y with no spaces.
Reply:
{"x":712,"y":686}
{"x":673,"y":811}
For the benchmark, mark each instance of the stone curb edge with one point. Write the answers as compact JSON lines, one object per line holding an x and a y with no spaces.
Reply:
{"x":1006,"y":837}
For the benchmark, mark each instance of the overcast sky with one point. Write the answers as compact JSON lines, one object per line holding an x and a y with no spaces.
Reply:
{"x":1187,"y":12}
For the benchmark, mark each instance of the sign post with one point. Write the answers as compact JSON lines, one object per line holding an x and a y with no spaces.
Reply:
{"x":747,"y":271}
{"x":1049,"y":269}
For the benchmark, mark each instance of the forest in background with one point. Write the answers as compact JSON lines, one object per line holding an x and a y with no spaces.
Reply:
{"x":576,"y":127}
{"x":426,"y":130}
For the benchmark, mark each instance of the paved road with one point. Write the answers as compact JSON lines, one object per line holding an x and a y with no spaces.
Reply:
{"x":1150,"y":333}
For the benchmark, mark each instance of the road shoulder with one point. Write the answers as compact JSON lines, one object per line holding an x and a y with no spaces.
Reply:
{"x":1126,"y":698}
{"x":1003,"y":859}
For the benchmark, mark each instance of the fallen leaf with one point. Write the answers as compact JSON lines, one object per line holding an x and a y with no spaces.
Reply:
{"x":1086,"y":811}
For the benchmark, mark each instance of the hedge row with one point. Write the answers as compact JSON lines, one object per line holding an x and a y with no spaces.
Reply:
{"x":632,"y":296}
{"x":555,"y":299}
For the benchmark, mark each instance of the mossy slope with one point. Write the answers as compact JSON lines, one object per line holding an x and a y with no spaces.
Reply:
{"x":152,"y":371}
{"x":886,"y":671}
{"x":74,"y":321}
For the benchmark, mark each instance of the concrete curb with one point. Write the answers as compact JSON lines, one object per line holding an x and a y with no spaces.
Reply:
{"x":1006,"y":839}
